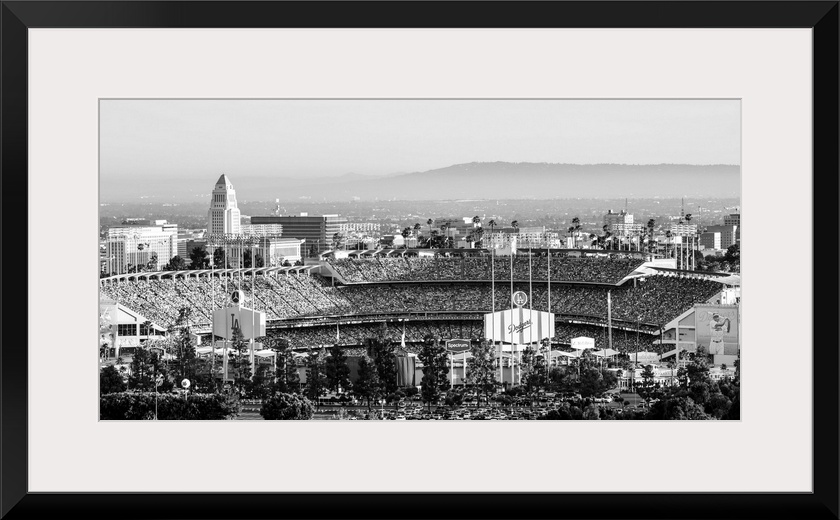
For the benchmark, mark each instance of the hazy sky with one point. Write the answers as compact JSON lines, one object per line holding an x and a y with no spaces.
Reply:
{"x":299,"y":138}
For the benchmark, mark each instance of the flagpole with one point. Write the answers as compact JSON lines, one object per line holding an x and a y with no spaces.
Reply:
{"x":609,"y":316}
{"x":227,"y":293}
{"x":530,"y":297}
{"x":212,"y":321}
{"x":551,"y":320}
{"x":254,"y":305}
{"x":493,"y":307}
{"x":512,"y":356}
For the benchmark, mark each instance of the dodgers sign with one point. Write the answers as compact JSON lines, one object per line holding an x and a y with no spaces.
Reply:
{"x":249,"y":322}
{"x":522,"y":326}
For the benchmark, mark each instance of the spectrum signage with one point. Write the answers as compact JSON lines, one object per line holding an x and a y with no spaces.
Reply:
{"x":458,"y":345}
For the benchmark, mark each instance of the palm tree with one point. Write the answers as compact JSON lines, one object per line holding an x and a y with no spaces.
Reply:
{"x":690,"y":242}
{"x":429,"y":223}
{"x":405,"y":233}
{"x":479,"y":234}
{"x":650,"y":225}
{"x":668,"y":236}
{"x":576,"y":224}
{"x":416,"y":229}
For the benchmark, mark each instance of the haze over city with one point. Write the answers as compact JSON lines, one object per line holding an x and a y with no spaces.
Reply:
{"x":169,"y":150}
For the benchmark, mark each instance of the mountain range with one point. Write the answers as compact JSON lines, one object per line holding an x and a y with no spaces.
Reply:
{"x":484,"y":180}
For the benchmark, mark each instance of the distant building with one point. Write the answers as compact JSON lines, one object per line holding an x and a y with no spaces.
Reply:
{"x":728,"y":235}
{"x":130,"y":247}
{"x":275,"y":251}
{"x":734,"y":219}
{"x":710,"y":240}
{"x":317,"y":231}
{"x":223,"y":216}
{"x":359,"y":227}
{"x":274,"y":230}
{"x":623,"y":217}
{"x":683,"y":229}
{"x":533,"y":237}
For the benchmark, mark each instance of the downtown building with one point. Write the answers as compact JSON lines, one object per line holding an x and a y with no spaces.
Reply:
{"x":316,"y":231}
{"x":223,"y":217}
{"x":719,"y":237}
{"x":147,"y":248}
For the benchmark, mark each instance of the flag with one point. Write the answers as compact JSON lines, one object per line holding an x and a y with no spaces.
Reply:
{"x":402,"y":342}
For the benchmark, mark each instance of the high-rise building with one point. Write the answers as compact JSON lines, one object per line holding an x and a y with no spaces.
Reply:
{"x":727,"y":234}
{"x":734,"y":219}
{"x":223,"y":216}
{"x":623,"y":217}
{"x":317,"y":230}
{"x":710,"y":240}
{"x":146,"y":247}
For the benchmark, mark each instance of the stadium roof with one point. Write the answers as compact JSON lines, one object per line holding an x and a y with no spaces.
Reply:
{"x":733,"y":279}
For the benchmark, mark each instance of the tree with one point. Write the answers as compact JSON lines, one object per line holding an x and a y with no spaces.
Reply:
{"x":575,"y":229}
{"x":645,"y":389}
{"x":650,"y":225}
{"x":383,"y":355}
{"x":287,"y":379}
{"x":110,"y":380}
{"x":287,"y":407}
{"x":175,"y":264}
{"x":258,"y":259}
{"x":591,"y":413}
{"x":199,"y":258}
{"x":261,"y":384}
{"x":337,"y":371}
{"x":434,"y":359}
{"x":733,"y":254}
{"x":146,"y":367}
{"x":183,"y":345}
{"x":533,"y":370}
{"x":152,"y":264}
{"x":219,"y":258}
{"x":481,"y":375}
{"x":241,"y":367}
{"x":429,"y":223}
{"x":563,"y":379}
{"x":316,"y":380}
{"x":683,"y":408}
{"x":406,"y":232}
{"x":367,"y":384}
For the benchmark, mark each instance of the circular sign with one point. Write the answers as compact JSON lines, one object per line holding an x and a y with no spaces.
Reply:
{"x":520,"y":298}
{"x":185,"y":383}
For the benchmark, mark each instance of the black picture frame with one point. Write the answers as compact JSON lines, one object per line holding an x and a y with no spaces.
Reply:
{"x":16,"y":17}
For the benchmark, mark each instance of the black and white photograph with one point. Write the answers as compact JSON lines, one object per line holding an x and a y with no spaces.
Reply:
{"x":419,"y":259}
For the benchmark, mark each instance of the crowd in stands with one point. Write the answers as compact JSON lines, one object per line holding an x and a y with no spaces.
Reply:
{"x":653,"y":300}
{"x":352,"y":337}
{"x":439,"y":268}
